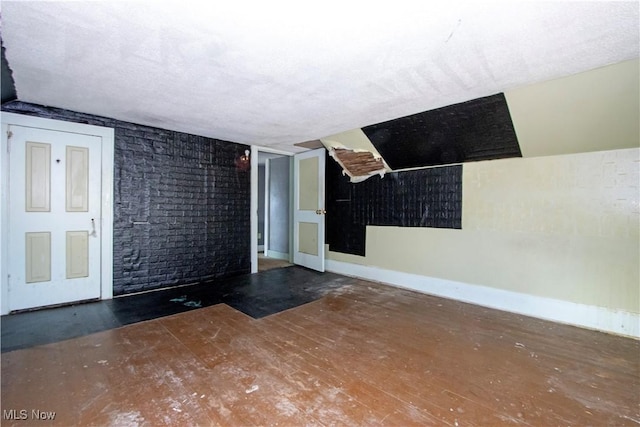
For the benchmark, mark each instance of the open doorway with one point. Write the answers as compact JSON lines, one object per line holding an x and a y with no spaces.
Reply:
{"x":271,"y":191}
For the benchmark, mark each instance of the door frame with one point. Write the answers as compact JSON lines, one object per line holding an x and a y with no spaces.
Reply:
{"x":255,"y":150}
{"x":106,"y":244}
{"x":265,"y":237}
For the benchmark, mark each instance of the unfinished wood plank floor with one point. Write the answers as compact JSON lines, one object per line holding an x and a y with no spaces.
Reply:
{"x":366,"y":354}
{"x":265,"y":263}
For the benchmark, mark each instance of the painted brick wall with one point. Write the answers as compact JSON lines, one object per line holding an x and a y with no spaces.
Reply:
{"x":479,"y":129}
{"x":181,"y":208}
{"x":429,"y":197}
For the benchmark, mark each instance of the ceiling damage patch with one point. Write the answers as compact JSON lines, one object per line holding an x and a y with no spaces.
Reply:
{"x":355,"y":154}
{"x":358,"y":164}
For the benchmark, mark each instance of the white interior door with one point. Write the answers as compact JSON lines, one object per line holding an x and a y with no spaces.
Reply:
{"x":54,"y":217}
{"x":308,"y":209}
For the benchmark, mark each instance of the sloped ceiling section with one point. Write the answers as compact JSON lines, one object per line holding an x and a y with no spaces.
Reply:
{"x":278,"y":73}
{"x":596,"y":110}
{"x":480,"y":129}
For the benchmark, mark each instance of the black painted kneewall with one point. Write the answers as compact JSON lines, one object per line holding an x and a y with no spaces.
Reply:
{"x":429,"y":197}
{"x":181,"y":207}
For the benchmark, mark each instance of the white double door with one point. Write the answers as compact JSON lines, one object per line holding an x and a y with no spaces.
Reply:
{"x":54,"y":224}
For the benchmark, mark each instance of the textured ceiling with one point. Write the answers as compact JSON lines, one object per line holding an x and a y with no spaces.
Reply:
{"x":278,"y":73}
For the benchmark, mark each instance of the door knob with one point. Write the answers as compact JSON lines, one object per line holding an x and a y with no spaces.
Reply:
{"x":321,"y":212}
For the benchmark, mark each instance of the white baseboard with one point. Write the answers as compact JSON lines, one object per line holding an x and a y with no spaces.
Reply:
{"x":586,"y":316}
{"x":278,"y":255}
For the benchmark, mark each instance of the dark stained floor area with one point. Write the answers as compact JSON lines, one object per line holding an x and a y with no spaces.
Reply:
{"x":357,"y":353}
{"x":256,"y":295}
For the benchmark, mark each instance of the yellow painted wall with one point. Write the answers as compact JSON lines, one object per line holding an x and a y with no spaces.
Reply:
{"x":562,"y":222}
{"x":590,"y":111}
{"x":562,"y":227}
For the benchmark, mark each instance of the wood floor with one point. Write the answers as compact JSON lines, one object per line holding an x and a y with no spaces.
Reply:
{"x":364,"y":354}
{"x":266,"y":263}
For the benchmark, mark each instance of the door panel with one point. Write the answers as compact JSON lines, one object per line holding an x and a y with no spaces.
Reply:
{"x":308,"y":189}
{"x":77,"y":194}
{"x":54,"y":209}
{"x":38,"y":257}
{"x":77,"y":254}
{"x":308,"y":238}
{"x":308,"y":230}
{"x":38,"y":177}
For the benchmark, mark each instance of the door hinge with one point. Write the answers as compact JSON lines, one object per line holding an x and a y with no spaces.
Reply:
{"x":9,"y":135}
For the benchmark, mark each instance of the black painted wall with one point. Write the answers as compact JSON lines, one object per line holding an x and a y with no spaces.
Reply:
{"x":420,"y":198}
{"x":181,"y":208}
{"x":480,"y":129}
